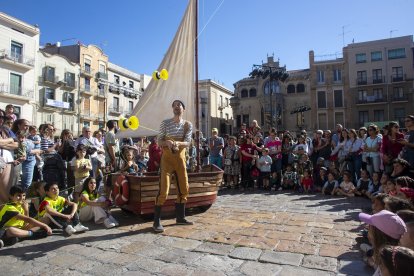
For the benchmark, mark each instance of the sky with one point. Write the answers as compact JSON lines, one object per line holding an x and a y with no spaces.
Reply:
{"x":236,"y":34}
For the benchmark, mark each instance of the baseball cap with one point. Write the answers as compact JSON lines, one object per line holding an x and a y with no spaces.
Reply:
{"x":387,"y":222}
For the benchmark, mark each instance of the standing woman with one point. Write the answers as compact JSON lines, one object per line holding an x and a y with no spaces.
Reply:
{"x":372,"y":147}
{"x":232,"y":162}
{"x":154,"y":151}
{"x":7,"y":145}
{"x":67,"y":151}
{"x":355,"y":154}
{"x":341,"y":149}
{"x":22,"y":126}
{"x":391,"y":145}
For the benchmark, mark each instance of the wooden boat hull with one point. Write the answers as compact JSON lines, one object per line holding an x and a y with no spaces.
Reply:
{"x":204,"y":186}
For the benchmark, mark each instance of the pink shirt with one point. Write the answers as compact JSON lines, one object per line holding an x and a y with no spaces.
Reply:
{"x":273,"y":148}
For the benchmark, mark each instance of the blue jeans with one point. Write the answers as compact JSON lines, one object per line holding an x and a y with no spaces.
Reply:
{"x":27,"y":173}
{"x":216,"y":160}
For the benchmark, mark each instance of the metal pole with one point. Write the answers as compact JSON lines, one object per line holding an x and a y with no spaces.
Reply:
{"x":198,"y":167}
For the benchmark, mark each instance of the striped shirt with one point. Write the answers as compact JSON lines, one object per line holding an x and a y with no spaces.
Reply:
{"x":46,"y":143}
{"x":175,"y":131}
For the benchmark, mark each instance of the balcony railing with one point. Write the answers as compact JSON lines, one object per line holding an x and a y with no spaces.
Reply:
{"x":16,"y":90}
{"x":88,"y":71}
{"x":85,"y":89}
{"x":371,"y":100}
{"x":8,"y":55}
{"x":114,"y":88}
{"x":50,"y":79}
{"x":400,"y":98}
{"x":69,"y":84}
{"x":361,"y":81}
{"x":115,"y":109}
{"x":101,"y":92}
{"x":398,"y":78}
{"x":102,"y":75}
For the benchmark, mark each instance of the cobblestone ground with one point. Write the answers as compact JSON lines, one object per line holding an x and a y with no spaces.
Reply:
{"x":241,"y":234}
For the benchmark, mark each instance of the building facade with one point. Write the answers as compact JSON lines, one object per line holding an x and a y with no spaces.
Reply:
{"x":329,"y":97}
{"x":57,"y":92}
{"x":19,"y":43}
{"x":381,"y":75}
{"x":215,"y":110}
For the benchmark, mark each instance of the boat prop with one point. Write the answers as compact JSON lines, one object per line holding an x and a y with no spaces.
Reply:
{"x":160,"y":75}
{"x":130,"y":123}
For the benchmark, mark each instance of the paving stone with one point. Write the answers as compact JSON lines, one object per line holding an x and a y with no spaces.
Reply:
{"x":176,"y":270}
{"x":258,"y":242}
{"x":219,"y":263}
{"x":107,"y":269}
{"x":207,"y":272}
{"x":335,"y":251}
{"x":320,"y":224}
{"x":354,"y":267}
{"x":281,"y":258}
{"x":152,"y":251}
{"x":215,"y":248}
{"x":65,"y":260}
{"x":288,"y":270}
{"x":296,"y":247}
{"x":146,"y":264}
{"x":256,"y":268}
{"x":279,"y":235}
{"x":180,"y":256}
{"x":246,"y":253}
{"x":322,"y":263}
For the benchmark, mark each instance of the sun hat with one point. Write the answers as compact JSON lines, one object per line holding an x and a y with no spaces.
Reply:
{"x":387,"y":222}
{"x":214,"y":130}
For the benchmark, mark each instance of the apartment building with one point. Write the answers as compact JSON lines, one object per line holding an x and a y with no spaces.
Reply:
{"x":125,"y":89}
{"x":19,"y":43}
{"x":215,"y":110}
{"x":57,"y":92}
{"x":93,"y":80}
{"x":381,"y":75}
{"x":271,"y":102}
{"x":329,"y":99}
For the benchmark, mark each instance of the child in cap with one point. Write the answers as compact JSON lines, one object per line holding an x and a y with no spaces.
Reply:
{"x":15,"y":222}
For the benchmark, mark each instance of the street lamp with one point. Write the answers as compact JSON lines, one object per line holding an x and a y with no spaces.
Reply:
{"x":273,"y":73}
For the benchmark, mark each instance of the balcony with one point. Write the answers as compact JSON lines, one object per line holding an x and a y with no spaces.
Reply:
{"x":85,"y":90}
{"x":102,"y":76}
{"x":50,"y":80}
{"x":102,"y":93}
{"x":234,"y":101}
{"x":378,"y":80}
{"x":221,"y":106}
{"x":398,"y":78}
{"x":361,"y":81}
{"x":14,"y":59}
{"x":16,"y":92}
{"x":115,"y":110}
{"x":400,"y":98}
{"x":69,"y":84}
{"x":54,"y":105}
{"x":87,"y":71}
{"x":114,"y":88}
{"x":87,"y":115}
{"x":100,"y":117}
{"x":371,"y":100}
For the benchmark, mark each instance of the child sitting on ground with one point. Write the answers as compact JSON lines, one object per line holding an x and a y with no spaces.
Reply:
{"x":391,"y":187}
{"x":290,"y":178}
{"x":60,"y":212}
{"x":373,"y":189}
{"x":383,"y":181}
{"x":346,"y":188}
{"x":37,"y":194}
{"x":331,"y":185}
{"x":265,"y":163}
{"x":363,"y":184}
{"x":15,"y":222}
{"x":93,"y":206}
{"x":320,"y":179}
{"x":81,"y":167}
{"x":307,"y":181}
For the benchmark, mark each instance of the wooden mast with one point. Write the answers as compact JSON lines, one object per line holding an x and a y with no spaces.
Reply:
{"x":198,"y":166}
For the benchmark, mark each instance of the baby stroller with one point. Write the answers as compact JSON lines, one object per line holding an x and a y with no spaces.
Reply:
{"x":54,"y":170}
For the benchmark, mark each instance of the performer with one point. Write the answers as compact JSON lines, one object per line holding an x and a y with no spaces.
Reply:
{"x":174,"y":138}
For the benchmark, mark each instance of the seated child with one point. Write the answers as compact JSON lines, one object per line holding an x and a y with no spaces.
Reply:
{"x":378,"y":202}
{"x":391,"y":187}
{"x":403,"y":182}
{"x":15,"y":222}
{"x":290,"y":178}
{"x":37,"y":194}
{"x":307,"y":181}
{"x":130,"y":167}
{"x":346,"y":188}
{"x":363,"y":184}
{"x":320,"y":179}
{"x":59,"y":211}
{"x":407,"y":239}
{"x":373,"y":189}
{"x":331,"y":185}
{"x":91,"y":206}
{"x":265,"y":163}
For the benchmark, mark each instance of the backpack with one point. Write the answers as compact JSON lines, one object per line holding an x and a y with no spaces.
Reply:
{"x":54,"y":169}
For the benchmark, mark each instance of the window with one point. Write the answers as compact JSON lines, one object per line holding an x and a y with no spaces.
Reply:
{"x":17,"y":111}
{"x":362,"y":77}
{"x":87,"y":84}
{"x":69,"y":98}
{"x":300,"y":88}
{"x":321,"y":99}
{"x":102,"y":68}
{"x":339,"y":118}
{"x":397,"y":74}
{"x":68,"y":122}
{"x":362,"y":95}
{"x":48,"y":118}
{"x":70,"y":79}
{"x":337,"y":75}
{"x":361,"y":58}
{"x":86,"y":124}
{"x":87,"y":65}
{"x":116,"y":78}
{"x":130,"y":106}
{"x":338,"y":100}
{"x":101,"y":89}
{"x":398,"y":93}
{"x":115,"y":104}
{"x":244,"y":93}
{"x":399,"y":115}
{"x":49,"y":74}
{"x":15,"y":84}
{"x":377,"y":76}
{"x":238,"y":121}
{"x":321,"y":76}
{"x":227,"y":101}
{"x":227,"y":116}
{"x":376,"y":56}
{"x":131,"y":84}
{"x":322,"y":121}
{"x":378,"y":95}
{"x":271,"y":87}
{"x":49,"y":93}
{"x":221,"y":101}
{"x":291,"y":89}
{"x":363,"y":117}
{"x":396,"y":53}
{"x":378,"y":115}
{"x":246,"y":119}
{"x":16,"y":51}
{"x":252,"y":92}
{"x":221,"y":114}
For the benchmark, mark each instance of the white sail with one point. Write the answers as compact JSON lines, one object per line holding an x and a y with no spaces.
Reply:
{"x":155,"y":104}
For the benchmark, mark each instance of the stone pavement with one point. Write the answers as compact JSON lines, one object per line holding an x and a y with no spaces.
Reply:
{"x":241,"y":234}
